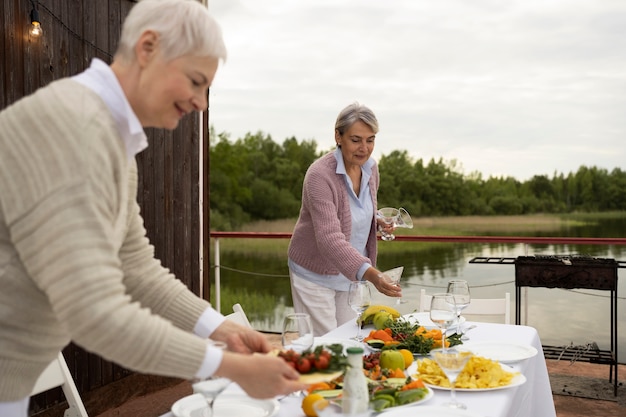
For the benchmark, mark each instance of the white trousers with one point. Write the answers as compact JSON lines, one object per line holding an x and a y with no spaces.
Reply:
{"x":328,"y":308}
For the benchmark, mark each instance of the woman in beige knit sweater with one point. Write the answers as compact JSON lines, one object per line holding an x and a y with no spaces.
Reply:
{"x":75,"y":263}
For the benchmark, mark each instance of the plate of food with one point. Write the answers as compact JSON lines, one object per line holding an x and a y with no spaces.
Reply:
{"x":480,"y":374}
{"x":401,"y":399}
{"x":225,"y":405}
{"x":392,"y":393}
{"x":503,"y":352}
{"x":322,"y":363}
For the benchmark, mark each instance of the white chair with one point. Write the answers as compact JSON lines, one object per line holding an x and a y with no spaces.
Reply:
{"x":55,"y":375}
{"x":239,"y":316}
{"x":478,"y":306}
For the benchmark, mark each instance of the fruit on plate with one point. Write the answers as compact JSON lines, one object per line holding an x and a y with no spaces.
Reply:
{"x":307,"y":404}
{"x":382,"y":319}
{"x":367,"y":317}
{"x":391,"y":359}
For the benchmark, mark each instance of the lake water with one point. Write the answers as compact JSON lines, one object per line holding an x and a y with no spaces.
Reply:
{"x":562,"y":317}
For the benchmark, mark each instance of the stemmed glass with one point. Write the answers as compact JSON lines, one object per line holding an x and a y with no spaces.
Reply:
{"x":359,"y":298}
{"x":297,"y":332}
{"x":442,"y":313}
{"x":297,"y":335}
{"x":393,"y":217}
{"x":459,"y":288}
{"x":451,"y":361}
{"x":394,"y":276}
{"x":212,"y":387}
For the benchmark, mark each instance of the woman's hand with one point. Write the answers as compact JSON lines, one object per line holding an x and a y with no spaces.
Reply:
{"x":241,"y":339}
{"x":382,"y":284}
{"x":387,"y":228}
{"x":260,"y":376}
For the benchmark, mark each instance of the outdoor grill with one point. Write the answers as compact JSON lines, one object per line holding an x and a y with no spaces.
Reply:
{"x":569,"y":272}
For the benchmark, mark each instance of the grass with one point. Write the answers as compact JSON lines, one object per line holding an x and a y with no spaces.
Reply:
{"x":423,"y":226}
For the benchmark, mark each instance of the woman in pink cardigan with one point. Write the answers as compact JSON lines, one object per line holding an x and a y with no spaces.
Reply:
{"x":334,"y":240}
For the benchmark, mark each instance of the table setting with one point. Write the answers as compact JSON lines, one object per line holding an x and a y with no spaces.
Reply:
{"x":496,"y":371}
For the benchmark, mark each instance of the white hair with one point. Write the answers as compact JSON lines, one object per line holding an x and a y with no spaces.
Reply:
{"x":185,"y":27}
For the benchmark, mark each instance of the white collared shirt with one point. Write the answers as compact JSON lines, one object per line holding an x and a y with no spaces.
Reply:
{"x":100,"y":78}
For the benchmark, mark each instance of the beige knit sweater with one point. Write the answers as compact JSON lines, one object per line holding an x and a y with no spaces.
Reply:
{"x":75,"y":263}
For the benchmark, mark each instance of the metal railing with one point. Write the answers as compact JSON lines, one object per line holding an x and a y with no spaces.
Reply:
{"x":447,"y":239}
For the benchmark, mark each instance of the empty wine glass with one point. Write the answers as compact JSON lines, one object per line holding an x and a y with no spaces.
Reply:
{"x":393,"y":276}
{"x":359,"y":298}
{"x":451,"y":361}
{"x":442,"y":313}
{"x":459,"y":288}
{"x":395,"y":218}
{"x":297,"y":332}
{"x":211,"y":387}
{"x":404,"y":219}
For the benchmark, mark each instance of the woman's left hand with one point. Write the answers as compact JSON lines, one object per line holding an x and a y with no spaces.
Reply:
{"x":382,"y":284}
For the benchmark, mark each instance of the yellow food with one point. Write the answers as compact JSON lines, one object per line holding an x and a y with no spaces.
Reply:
{"x":367,"y":317}
{"x":307,"y":404}
{"x":479,"y":373}
{"x":408,"y":357}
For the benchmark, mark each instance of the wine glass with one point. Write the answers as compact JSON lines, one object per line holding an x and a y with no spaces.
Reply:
{"x":359,"y":298}
{"x":404,"y":219}
{"x":451,"y":361}
{"x":211,"y":387}
{"x":442,"y":313}
{"x":459,"y":288}
{"x":297,"y":332}
{"x":387,"y":215}
{"x":393,"y":217}
{"x":393,"y":276}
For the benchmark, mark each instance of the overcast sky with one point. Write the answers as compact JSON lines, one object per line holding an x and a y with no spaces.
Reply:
{"x":504,"y":87}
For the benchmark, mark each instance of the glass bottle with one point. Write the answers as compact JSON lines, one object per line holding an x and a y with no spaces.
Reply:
{"x":355,"y":398}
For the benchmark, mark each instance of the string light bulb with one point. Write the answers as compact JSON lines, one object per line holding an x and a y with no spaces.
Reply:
{"x":35,"y":25}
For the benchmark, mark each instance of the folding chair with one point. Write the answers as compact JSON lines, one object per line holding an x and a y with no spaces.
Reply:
{"x":478,"y":306}
{"x":55,"y":375}
{"x":239,"y":316}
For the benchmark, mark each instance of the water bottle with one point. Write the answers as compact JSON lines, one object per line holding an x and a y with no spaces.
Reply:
{"x":355,"y":398}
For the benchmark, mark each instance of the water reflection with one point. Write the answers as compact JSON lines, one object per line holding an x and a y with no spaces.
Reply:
{"x":562,"y":317}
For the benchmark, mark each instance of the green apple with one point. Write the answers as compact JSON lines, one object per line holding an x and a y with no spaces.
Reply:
{"x":391,"y":359}
{"x":381,"y":318}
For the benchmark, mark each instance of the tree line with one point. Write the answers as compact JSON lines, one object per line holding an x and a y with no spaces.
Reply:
{"x":256,"y":178}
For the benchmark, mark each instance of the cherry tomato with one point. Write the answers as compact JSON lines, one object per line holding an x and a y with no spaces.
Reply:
{"x":303,"y":365}
{"x":321,"y":362}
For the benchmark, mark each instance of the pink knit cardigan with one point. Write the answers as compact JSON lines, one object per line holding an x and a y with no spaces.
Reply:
{"x":321,"y":237}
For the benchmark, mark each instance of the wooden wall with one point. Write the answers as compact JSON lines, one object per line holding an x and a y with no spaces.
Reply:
{"x":75,"y":31}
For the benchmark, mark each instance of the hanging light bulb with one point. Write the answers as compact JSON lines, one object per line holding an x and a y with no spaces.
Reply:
{"x":35,"y":25}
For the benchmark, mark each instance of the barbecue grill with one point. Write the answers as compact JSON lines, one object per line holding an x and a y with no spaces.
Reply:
{"x":568,"y":271}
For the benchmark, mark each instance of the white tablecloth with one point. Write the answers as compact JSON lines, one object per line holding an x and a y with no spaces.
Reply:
{"x":532,"y":399}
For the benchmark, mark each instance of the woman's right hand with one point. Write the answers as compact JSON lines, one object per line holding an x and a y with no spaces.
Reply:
{"x":260,"y":376}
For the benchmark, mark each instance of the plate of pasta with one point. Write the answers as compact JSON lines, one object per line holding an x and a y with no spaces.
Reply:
{"x":480,"y":374}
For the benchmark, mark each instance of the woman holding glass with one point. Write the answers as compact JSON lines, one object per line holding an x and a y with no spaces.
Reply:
{"x":334,"y":240}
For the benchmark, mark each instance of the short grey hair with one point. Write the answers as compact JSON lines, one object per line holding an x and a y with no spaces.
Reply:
{"x":185,"y":27}
{"x":353,"y":113}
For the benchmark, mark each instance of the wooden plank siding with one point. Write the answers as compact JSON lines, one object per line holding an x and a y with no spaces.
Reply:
{"x":75,"y":31}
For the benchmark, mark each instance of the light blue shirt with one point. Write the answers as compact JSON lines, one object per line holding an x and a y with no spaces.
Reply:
{"x":362,"y":211}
